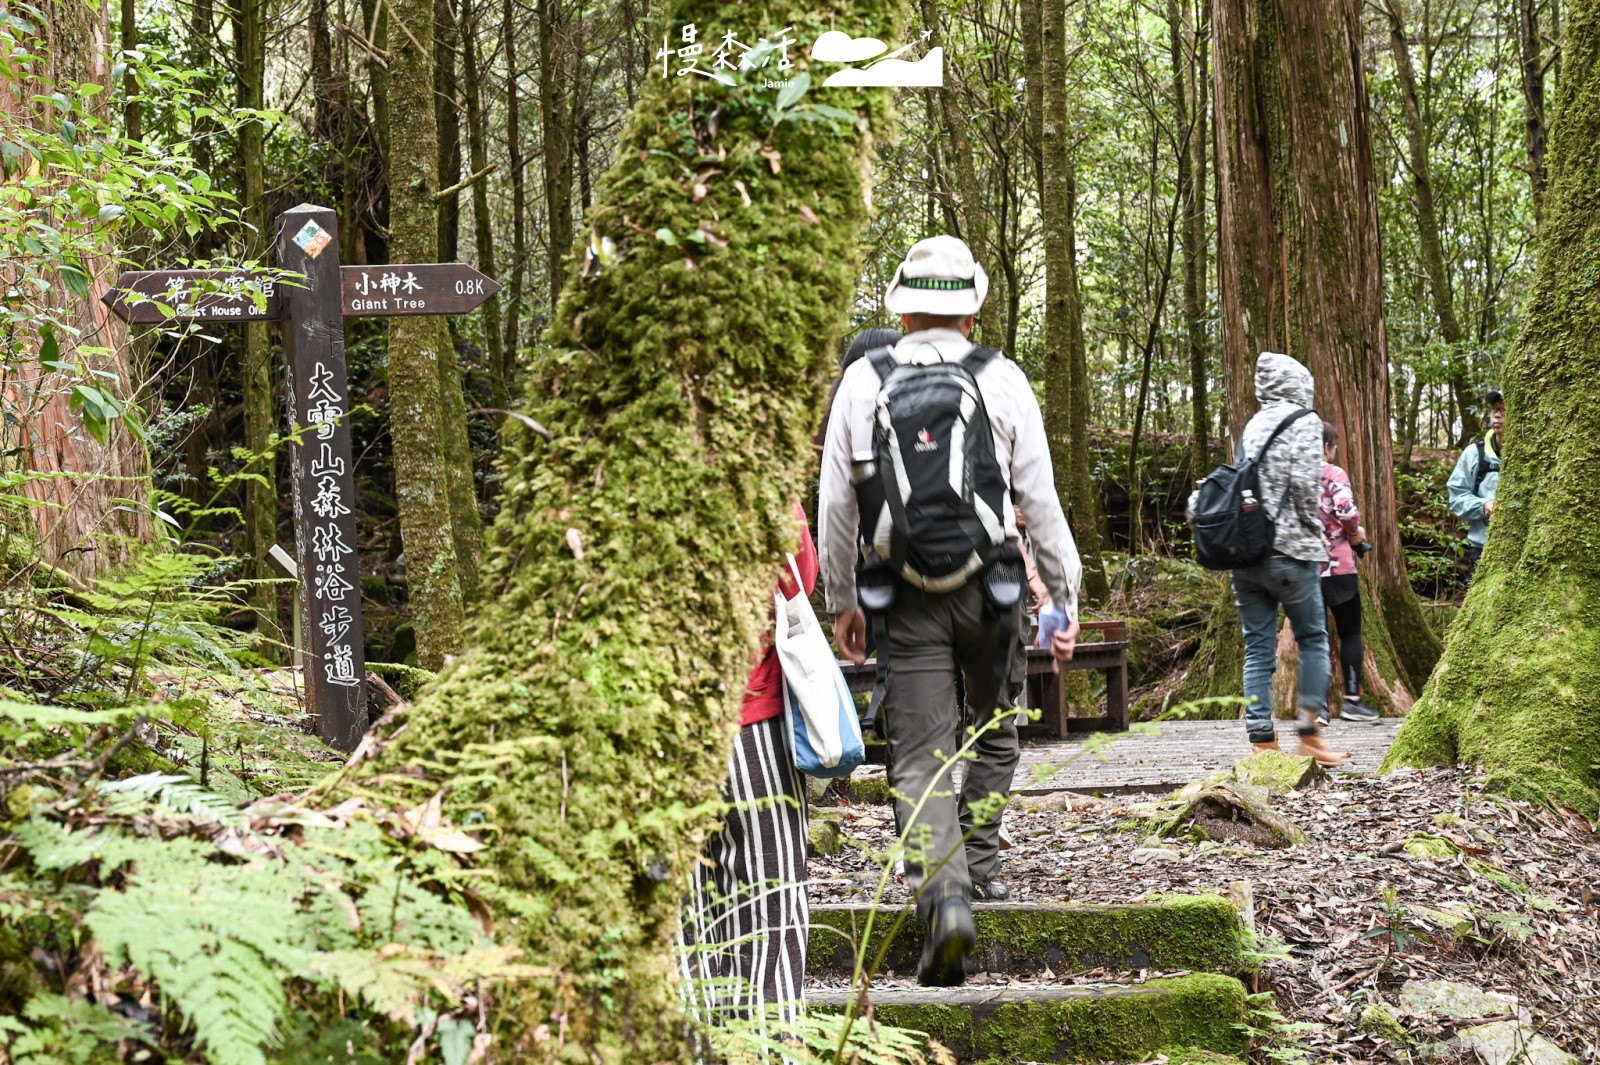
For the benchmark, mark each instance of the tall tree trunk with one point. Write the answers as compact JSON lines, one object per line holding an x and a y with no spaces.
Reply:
{"x":1515,"y":692}
{"x":1531,"y":53}
{"x":447,"y":117}
{"x":1428,"y":221}
{"x":677,"y":386}
{"x":482,"y":229}
{"x":261,"y":496}
{"x":132,"y":109}
{"x":1292,"y":119}
{"x":556,"y":114}
{"x":465,"y":520}
{"x":1187,"y":92}
{"x":1066,"y":365}
{"x":970,"y":209}
{"x":420,"y":353}
{"x":507,"y":370}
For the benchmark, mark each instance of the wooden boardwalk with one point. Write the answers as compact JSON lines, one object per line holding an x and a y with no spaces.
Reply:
{"x":1182,"y":751}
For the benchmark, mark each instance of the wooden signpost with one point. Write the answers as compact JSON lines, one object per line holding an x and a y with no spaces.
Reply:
{"x":312,"y":308}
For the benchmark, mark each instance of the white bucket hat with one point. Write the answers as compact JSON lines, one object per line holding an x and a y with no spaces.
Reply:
{"x":939,"y":276}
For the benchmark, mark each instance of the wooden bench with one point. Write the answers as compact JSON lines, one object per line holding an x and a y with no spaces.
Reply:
{"x":1102,"y":646}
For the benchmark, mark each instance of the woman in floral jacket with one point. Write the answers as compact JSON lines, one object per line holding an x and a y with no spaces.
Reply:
{"x":1341,"y":588}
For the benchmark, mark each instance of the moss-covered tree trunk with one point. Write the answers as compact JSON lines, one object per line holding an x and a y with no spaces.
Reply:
{"x":420,"y":354}
{"x":629,"y":573}
{"x":1517,"y":691}
{"x":1295,"y":156}
{"x":260,"y":496}
{"x":1066,"y":366}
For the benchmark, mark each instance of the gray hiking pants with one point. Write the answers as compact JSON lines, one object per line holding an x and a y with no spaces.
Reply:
{"x":930,"y":636}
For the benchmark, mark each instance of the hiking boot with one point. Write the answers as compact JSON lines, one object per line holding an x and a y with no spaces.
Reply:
{"x":1311,"y":746}
{"x":1324,"y":717}
{"x":950,"y":936}
{"x":992,"y":891}
{"x":1270,"y":745}
{"x":1356,"y":710}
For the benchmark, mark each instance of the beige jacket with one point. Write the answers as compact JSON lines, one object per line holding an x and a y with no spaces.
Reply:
{"x":1020,"y":447}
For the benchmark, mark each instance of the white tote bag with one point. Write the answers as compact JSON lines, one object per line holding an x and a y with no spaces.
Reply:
{"x":819,"y":710}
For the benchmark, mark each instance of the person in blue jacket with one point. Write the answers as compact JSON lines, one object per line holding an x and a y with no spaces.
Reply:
{"x":1473,"y":483}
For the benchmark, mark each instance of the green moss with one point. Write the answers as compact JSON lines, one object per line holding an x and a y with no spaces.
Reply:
{"x":1200,"y":1012}
{"x":1217,"y":668}
{"x":873,"y":790}
{"x":1200,"y":933}
{"x":1278,"y":772}
{"x":1376,"y":1020}
{"x":587,"y":726}
{"x":1422,"y":845}
{"x":1517,"y":691}
{"x":407,"y":681}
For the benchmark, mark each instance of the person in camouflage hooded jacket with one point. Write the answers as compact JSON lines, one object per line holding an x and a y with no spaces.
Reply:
{"x":1291,"y":486}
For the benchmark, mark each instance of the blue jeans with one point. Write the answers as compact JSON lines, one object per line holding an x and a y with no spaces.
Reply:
{"x":1259,"y":591}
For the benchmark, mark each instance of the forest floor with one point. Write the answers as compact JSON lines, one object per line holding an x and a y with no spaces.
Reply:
{"x":1413,"y":876}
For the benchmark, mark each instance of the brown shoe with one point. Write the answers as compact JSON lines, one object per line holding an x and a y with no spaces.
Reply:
{"x":1311,"y":746}
{"x":1257,"y":748}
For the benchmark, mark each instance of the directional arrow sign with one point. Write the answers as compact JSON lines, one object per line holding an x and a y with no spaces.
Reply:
{"x":145,"y":297}
{"x":141,"y":296}
{"x":412,"y":288}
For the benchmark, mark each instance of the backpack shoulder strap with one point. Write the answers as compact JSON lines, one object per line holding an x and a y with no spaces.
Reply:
{"x":882,"y":360}
{"x":1483,"y":466}
{"x":1290,"y":420}
{"x":975,"y":360}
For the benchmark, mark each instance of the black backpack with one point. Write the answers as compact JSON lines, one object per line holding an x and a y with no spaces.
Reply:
{"x":1232,"y":528}
{"x":933,"y":497}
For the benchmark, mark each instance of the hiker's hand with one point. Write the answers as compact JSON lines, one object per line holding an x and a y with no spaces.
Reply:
{"x":1488,"y":507}
{"x":850,"y":631}
{"x":1360,"y":537}
{"x":1039,"y":593}
{"x":1062,"y":643}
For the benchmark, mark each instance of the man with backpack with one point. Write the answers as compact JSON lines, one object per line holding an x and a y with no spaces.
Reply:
{"x":1474,"y":480}
{"x":928,"y":445}
{"x":1258,"y":519}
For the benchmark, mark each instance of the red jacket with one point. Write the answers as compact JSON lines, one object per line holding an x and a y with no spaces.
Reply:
{"x":763,"y":690}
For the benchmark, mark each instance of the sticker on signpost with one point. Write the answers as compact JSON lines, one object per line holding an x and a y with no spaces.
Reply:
{"x":312,"y":239}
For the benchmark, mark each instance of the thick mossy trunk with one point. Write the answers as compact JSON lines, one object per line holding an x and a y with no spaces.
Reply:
{"x":629,"y":574}
{"x":421,"y":359}
{"x":1517,"y":691}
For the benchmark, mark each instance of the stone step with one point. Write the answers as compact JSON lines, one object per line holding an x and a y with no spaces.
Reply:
{"x":1190,"y":1019}
{"x":1199,"y":933}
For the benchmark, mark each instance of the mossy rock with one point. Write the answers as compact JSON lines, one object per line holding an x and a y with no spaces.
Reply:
{"x":1201,"y":933}
{"x":1423,"y":845}
{"x":1009,"y":1026}
{"x":824,"y":837}
{"x":1232,"y":811}
{"x":1279,"y":772}
{"x":871,"y":789}
{"x":1376,"y":1020}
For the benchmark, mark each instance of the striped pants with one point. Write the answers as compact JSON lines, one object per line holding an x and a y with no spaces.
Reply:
{"x":745,"y":919}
